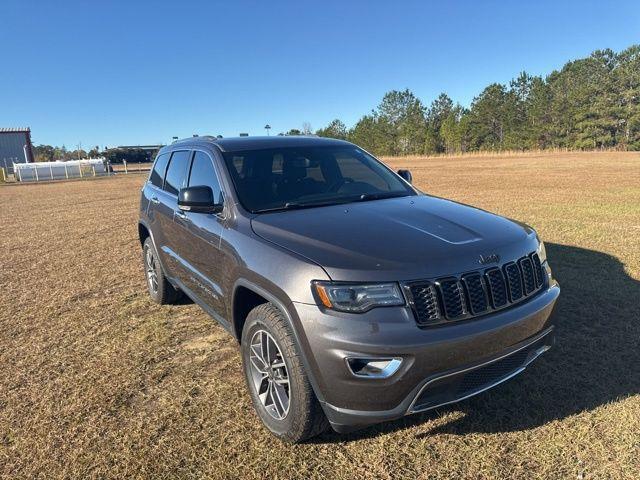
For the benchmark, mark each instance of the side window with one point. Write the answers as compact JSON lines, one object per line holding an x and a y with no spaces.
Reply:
{"x":159,"y":167}
{"x":204,"y":174}
{"x":176,"y":172}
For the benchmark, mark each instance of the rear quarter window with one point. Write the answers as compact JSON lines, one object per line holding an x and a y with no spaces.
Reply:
{"x":159,"y":167}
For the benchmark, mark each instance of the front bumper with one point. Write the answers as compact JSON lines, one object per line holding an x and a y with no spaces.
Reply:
{"x":440,"y":364}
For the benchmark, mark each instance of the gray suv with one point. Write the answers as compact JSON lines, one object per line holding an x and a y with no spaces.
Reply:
{"x":355,"y":297}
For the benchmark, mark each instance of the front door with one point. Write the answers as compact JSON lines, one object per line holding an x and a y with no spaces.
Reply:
{"x":202,"y":233}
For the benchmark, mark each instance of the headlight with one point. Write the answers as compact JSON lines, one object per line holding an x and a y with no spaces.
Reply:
{"x":542,"y":252}
{"x":357,"y":298}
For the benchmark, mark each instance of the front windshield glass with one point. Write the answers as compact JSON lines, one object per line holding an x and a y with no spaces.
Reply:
{"x":287,"y":178}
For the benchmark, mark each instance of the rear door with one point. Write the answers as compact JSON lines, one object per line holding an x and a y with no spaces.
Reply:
{"x":151,"y":195}
{"x":202,"y":234}
{"x":166,"y":204}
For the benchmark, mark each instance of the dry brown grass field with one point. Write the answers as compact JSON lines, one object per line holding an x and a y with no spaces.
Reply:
{"x":98,"y":382}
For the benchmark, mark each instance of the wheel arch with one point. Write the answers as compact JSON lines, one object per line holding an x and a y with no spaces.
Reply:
{"x":143,"y":232}
{"x":245,"y":297}
{"x":243,"y":285}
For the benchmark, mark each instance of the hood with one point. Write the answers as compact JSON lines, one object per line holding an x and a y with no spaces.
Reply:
{"x":405,"y":238}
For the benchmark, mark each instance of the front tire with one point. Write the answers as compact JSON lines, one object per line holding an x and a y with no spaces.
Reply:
{"x":279,"y":386}
{"x":160,"y":289}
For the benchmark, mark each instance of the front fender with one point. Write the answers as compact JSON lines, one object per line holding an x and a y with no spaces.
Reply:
{"x":286,"y":306}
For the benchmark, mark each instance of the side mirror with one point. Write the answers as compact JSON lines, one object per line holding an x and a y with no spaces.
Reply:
{"x":198,"y":200}
{"x":406,"y":174}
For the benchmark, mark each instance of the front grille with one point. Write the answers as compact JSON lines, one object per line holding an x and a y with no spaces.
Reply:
{"x":537,"y":268}
{"x":451,"y":292}
{"x":497,"y":287}
{"x":514,"y":281}
{"x":425,"y":303}
{"x":475,"y":293}
{"x":526,"y":268}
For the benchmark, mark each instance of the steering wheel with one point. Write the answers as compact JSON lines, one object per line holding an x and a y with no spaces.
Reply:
{"x":335,"y":186}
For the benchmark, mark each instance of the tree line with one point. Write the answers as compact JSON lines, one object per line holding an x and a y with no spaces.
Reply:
{"x":47,"y":153}
{"x":591,"y":103}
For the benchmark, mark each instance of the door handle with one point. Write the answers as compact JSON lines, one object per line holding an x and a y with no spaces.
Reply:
{"x":155,"y":200}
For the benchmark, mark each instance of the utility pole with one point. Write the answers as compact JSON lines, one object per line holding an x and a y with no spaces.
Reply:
{"x":267,"y":127}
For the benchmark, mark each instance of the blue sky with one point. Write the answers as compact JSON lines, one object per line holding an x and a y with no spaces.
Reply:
{"x":114,"y":72}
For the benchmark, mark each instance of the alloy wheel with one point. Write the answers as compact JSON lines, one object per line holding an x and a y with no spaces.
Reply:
{"x":269,"y":374}
{"x":152,"y":273}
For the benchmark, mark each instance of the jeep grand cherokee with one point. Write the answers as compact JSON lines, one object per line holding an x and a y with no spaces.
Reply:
{"x":355,"y":297}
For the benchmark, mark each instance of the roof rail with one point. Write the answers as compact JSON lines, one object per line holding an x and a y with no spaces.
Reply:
{"x":197,"y":137}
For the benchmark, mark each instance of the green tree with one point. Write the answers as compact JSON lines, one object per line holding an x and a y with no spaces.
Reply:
{"x":539,"y":114}
{"x":371,"y":132}
{"x":335,"y":129}
{"x":43,"y":153}
{"x":437,"y":113}
{"x":488,"y":118}
{"x":452,"y":131}
{"x":402,"y":117}
{"x":627,"y":78}
{"x":519,"y":131}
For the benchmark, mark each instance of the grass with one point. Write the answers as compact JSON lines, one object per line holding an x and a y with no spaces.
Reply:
{"x":96,"y":381}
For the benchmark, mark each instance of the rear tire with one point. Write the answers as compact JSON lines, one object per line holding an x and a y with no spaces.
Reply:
{"x":277,"y":381}
{"x":160,"y":289}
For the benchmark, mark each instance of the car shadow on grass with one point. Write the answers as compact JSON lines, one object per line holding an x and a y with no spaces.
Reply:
{"x":596,"y":359}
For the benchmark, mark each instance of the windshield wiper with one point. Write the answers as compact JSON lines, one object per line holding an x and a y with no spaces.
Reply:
{"x":336,"y":201}
{"x":379,"y":195}
{"x":295,"y":206}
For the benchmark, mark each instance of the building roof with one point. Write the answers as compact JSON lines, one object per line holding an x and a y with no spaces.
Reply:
{"x":237,"y":144}
{"x":15,"y":130}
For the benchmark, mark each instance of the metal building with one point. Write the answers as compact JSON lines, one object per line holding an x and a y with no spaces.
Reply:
{"x":15,"y":146}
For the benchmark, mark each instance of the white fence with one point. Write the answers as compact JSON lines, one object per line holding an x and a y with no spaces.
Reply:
{"x":46,"y":171}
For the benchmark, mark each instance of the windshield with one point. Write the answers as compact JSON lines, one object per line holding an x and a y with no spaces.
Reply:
{"x":287,"y":178}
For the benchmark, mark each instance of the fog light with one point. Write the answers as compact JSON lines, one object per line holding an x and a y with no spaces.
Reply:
{"x":373,"y":367}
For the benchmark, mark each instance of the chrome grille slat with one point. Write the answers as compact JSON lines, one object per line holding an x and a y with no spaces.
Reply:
{"x":472,"y":294}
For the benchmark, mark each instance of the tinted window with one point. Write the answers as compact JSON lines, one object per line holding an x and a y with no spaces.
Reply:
{"x":176,"y":172}
{"x":203,"y":174}
{"x":157,"y":174}
{"x":301,"y":177}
